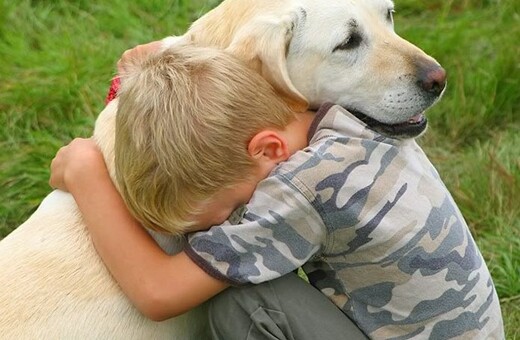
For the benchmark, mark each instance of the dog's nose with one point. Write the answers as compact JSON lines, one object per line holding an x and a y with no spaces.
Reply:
{"x":432,"y":80}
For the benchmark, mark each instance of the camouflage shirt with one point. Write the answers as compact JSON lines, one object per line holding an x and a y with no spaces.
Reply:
{"x":374,"y":228}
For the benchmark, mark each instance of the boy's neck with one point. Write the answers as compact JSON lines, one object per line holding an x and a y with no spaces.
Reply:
{"x":297,"y":131}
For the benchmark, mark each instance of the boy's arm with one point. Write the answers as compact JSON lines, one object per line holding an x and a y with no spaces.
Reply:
{"x":280,"y":230}
{"x":159,"y":285}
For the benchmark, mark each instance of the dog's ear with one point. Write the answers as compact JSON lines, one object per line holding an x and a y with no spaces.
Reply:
{"x":262,"y":43}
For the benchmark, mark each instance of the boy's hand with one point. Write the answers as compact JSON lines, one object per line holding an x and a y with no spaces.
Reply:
{"x":80,"y":161}
{"x":137,"y":53}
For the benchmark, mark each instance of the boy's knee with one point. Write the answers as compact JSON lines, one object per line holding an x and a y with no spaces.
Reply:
{"x":224,"y":301}
{"x":285,"y":308}
{"x":249,"y":298}
{"x":247,"y":313}
{"x":236,"y":300}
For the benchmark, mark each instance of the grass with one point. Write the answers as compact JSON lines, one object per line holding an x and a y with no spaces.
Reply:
{"x":57,"y":58}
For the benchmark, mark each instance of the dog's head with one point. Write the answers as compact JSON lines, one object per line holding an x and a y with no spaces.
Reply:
{"x":340,"y":51}
{"x":347,"y":52}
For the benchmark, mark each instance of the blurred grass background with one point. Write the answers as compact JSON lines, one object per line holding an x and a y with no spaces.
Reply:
{"x":57,"y":58}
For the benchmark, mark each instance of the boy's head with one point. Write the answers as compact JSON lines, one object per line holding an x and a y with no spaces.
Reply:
{"x":185,"y":119}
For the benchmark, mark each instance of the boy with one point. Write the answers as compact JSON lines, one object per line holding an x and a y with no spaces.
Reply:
{"x":180,"y":117}
{"x":367,"y":216}
{"x":196,"y":131}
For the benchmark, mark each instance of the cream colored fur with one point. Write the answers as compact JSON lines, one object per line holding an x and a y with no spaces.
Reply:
{"x":53,"y":284}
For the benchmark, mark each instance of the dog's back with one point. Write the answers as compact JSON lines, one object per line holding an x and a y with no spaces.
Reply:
{"x":54,"y":285}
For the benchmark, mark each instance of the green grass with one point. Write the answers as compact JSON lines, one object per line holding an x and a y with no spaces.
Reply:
{"x":57,"y":58}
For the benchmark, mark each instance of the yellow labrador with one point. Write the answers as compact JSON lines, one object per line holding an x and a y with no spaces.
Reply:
{"x":54,"y":286}
{"x":345,"y":52}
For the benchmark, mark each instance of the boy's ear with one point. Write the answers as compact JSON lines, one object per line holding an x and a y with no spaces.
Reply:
{"x":268,"y":146}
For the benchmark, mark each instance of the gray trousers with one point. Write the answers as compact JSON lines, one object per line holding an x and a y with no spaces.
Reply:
{"x":287,"y":308}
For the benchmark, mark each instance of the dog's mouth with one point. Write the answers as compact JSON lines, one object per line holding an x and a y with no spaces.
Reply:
{"x":413,"y":127}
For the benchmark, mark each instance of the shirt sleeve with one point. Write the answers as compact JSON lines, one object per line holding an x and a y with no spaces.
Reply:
{"x":279,"y":232}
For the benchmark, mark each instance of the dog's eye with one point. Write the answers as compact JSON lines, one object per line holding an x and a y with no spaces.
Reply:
{"x":390,"y":15}
{"x":352,"y":42}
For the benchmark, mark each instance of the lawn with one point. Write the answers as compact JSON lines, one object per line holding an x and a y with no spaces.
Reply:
{"x":57,"y":58}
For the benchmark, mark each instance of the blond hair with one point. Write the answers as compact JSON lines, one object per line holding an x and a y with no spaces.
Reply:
{"x":184,"y":120}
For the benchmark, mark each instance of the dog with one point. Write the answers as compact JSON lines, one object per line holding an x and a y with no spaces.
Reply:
{"x":345,"y":52}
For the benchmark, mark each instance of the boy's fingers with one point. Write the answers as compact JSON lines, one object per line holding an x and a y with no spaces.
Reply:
{"x":60,"y":161}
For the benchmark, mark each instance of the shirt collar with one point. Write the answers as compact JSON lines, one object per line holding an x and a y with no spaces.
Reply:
{"x":322,"y":111}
